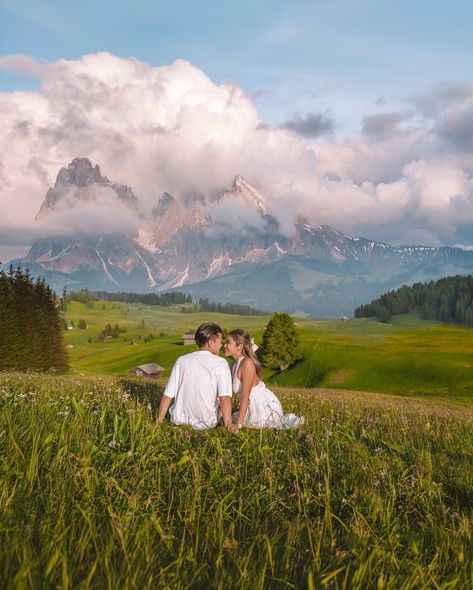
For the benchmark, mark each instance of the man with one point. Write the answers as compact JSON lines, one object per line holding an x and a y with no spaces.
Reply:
{"x":200,"y":384}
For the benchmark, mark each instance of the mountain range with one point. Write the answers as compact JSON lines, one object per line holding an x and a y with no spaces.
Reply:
{"x":228,"y":247}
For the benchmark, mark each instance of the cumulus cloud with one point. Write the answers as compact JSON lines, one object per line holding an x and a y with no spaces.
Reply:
{"x":443,"y":96}
{"x":457,"y":129}
{"x":103,"y":215}
{"x":381,"y":125}
{"x":234,"y":217}
{"x":170,"y":128}
{"x":88,"y":210}
{"x":311,"y":125}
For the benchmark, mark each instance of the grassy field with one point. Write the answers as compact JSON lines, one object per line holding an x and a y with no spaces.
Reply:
{"x":374,"y":491}
{"x":116,"y":356}
{"x":406,"y":357}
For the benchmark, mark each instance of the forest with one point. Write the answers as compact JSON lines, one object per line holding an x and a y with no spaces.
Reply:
{"x":448,"y":300}
{"x":31,"y":326}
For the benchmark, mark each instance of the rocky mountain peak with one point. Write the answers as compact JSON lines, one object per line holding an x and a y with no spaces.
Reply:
{"x":82,"y":181}
{"x":80,"y":172}
{"x":165,"y":202}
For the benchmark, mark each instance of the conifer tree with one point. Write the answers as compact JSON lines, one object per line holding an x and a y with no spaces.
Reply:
{"x":281,"y":347}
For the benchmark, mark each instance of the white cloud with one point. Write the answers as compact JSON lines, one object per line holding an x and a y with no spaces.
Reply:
{"x":172,"y":129}
{"x":23,"y":64}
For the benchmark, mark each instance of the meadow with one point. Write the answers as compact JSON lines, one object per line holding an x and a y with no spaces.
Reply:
{"x":408,"y":356}
{"x":374,"y":491}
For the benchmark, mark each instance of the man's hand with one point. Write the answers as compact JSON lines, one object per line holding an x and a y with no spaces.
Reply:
{"x":225,"y":402}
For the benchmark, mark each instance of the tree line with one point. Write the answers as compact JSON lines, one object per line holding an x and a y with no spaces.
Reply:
{"x":31,"y":331}
{"x":165,"y":299}
{"x":229,"y":308}
{"x":85,"y":296}
{"x":449,"y":300}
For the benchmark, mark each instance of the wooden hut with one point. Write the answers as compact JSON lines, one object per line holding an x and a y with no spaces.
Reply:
{"x":188,"y":339}
{"x":152,"y":370}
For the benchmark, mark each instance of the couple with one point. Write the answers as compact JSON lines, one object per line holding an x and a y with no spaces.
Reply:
{"x":201,"y":386}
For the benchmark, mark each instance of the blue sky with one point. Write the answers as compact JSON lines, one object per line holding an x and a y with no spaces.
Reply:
{"x":298,"y":57}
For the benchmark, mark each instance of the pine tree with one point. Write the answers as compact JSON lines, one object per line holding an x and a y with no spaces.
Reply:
{"x":459,"y":312}
{"x":469,"y":316}
{"x":64,"y":299}
{"x":444,"y":311}
{"x":384,"y":315}
{"x":281,"y":347}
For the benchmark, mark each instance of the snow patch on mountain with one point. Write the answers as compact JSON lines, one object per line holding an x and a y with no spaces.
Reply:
{"x":250,"y":194}
{"x":151,"y":281}
{"x":262,"y":255}
{"x":218,"y":264}
{"x":178,"y":279}
{"x":107,"y":272}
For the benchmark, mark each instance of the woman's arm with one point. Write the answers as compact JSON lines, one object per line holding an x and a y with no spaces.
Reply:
{"x":248,"y":374}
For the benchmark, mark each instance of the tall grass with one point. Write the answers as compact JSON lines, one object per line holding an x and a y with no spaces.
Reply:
{"x":373,"y":492}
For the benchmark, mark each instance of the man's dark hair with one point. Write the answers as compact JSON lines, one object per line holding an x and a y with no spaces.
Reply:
{"x":206,"y":332}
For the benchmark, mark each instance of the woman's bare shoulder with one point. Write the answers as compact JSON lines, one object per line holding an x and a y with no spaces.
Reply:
{"x":247,"y":365}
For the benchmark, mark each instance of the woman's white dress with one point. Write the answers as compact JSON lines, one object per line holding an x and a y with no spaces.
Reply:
{"x":264,"y":408}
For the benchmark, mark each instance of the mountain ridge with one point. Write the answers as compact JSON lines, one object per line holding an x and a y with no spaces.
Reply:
{"x":199,"y":243}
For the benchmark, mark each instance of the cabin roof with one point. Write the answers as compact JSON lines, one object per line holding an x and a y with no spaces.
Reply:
{"x":149,"y":368}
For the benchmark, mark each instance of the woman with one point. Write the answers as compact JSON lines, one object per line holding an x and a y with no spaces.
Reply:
{"x":259,"y":407}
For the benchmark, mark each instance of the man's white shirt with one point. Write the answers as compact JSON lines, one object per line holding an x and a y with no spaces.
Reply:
{"x":197,"y":380}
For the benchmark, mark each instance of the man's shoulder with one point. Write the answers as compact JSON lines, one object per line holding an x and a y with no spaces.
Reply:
{"x":221,"y":362}
{"x":204,"y":359}
{"x":185,"y":358}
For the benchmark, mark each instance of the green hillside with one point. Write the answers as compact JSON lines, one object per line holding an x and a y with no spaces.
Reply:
{"x":116,"y":356}
{"x":408,"y":356}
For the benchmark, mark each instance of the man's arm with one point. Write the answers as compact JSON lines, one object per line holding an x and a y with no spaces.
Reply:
{"x":225,"y":402}
{"x":224,"y":392}
{"x":164,"y":407}
{"x":169,"y":393}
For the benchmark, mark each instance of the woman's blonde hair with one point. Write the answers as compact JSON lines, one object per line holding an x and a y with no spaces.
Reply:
{"x":242,"y":337}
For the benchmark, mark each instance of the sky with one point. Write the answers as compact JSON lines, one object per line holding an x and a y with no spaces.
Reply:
{"x":357,"y":114}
